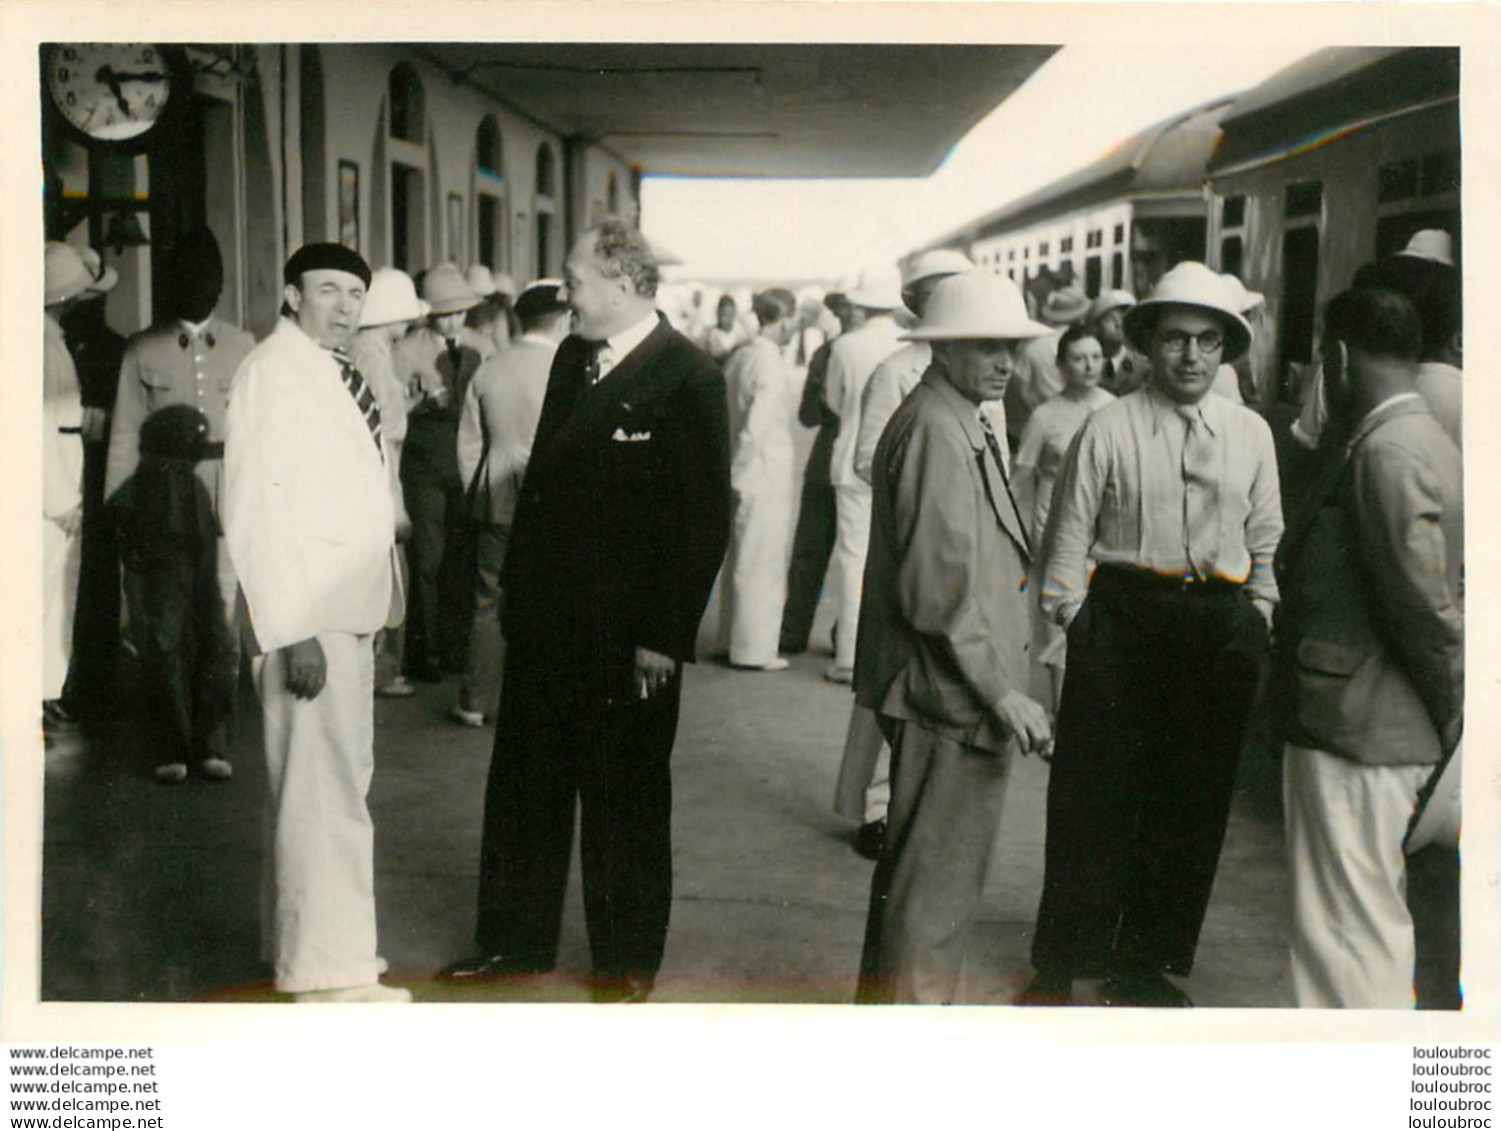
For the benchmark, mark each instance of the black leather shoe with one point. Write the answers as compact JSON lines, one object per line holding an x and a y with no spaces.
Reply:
{"x":487,"y":968}
{"x":1144,"y":991}
{"x":1048,"y":989}
{"x":625,"y":990}
{"x":870,"y":841}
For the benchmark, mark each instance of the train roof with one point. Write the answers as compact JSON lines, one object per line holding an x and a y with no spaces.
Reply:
{"x":1165,"y":158}
{"x":752,"y":109}
{"x":1328,"y":93}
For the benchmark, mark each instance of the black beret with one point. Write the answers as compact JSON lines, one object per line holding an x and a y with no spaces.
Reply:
{"x":325,"y":257}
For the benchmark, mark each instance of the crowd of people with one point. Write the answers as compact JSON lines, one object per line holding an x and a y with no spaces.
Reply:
{"x":1053,"y":525}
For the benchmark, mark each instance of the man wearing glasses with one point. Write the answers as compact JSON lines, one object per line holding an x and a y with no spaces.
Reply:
{"x":1172,"y":495}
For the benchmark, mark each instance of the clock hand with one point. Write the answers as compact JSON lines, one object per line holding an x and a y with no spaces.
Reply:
{"x":106,"y":74}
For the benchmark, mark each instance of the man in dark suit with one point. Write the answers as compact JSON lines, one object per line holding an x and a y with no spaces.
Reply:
{"x":620,"y":530}
{"x":1372,"y":634}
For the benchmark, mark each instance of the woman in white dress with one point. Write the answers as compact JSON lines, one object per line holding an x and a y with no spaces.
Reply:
{"x":1050,"y":430}
{"x":761,"y":405}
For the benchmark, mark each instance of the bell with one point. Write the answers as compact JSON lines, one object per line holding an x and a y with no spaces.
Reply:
{"x":124,"y":230}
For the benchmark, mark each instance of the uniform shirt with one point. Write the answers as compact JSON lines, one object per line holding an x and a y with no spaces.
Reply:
{"x":1049,"y":432}
{"x":172,"y":364}
{"x":759,"y":398}
{"x":1121,"y":498}
{"x":852,"y":360}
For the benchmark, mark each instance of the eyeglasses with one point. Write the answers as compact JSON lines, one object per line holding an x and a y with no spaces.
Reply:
{"x":1176,"y":341}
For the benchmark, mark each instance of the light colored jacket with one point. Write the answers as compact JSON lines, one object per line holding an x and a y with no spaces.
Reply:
{"x":852,"y":359}
{"x":62,"y":408}
{"x":307,"y":507}
{"x":1372,"y":620}
{"x":504,"y":403}
{"x":944,"y":623}
{"x":759,"y":398}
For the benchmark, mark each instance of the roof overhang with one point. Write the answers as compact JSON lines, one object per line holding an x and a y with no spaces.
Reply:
{"x":752,"y":110}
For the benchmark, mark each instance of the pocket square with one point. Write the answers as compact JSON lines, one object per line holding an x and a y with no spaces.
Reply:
{"x":622,"y":436}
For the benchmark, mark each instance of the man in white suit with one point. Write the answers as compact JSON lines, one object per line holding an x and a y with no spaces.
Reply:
{"x":310,"y":526}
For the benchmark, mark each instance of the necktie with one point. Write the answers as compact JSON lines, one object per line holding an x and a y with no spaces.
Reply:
{"x":1200,"y":492}
{"x":592,"y":350}
{"x":364,"y":399}
{"x":994,"y":445}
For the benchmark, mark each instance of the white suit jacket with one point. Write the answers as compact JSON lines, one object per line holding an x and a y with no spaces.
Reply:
{"x":307,"y":507}
{"x":852,"y":359}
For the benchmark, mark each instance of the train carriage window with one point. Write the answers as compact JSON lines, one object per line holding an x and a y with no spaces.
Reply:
{"x":1234,"y":213}
{"x":1304,"y":199}
{"x":1092,"y":272}
{"x":1300,"y":279}
{"x":1440,"y":173}
{"x":1232,"y":255}
{"x":1397,"y":180}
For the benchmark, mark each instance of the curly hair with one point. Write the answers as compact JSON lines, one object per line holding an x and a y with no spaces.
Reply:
{"x":620,"y":250}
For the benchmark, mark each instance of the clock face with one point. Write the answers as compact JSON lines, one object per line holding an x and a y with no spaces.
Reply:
{"x":109,"y":91}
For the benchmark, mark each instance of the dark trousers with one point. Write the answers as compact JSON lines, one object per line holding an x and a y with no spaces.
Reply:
{"x":1155,"y":702}
{"x":812,"y":543}
{"x":96,"y":625}
{"x":440,"y":603}
{"x":189,"y":656}
{"x":614,"y":763}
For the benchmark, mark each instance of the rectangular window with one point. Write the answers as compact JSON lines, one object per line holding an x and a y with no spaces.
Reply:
{"x":1440,"y":173}
{"x":1397,"y":180}
{"x":1094,"y":238}
{"x":1117,"y":270}
{"x":487,"y":230}
{"x":1042,"y":250}
{"x":1093,"y":269}
{"x":1232,"y":255}
{"x":1234,"y":213}
{"x":1066,"y":243}
{"x":1304,"y":199}
{"x":1120,"y":233}
{"x":1300,"y":280}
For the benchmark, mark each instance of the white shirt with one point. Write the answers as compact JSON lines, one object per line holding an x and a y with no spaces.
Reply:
{"x":617,"y":346}
{"x":1121,"y":498}
{"x":852,"y":360}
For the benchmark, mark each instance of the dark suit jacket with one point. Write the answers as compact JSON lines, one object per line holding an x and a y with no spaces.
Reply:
{"x":944,"y":621}
{"x":1370,"y":629}
{"x":623,"y":518}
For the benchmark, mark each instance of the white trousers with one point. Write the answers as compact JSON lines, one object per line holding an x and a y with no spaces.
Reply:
{"x":755,"y":576}
{"x":852,"y":539}
{"x":318,"y":887}
{"x":1352,"y":944}
{"x":60,"y":557}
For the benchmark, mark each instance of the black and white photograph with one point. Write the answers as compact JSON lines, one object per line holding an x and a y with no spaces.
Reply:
{"x":697,"y":510}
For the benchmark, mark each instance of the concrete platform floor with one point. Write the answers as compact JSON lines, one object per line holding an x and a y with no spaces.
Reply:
{"x":150,"y":892}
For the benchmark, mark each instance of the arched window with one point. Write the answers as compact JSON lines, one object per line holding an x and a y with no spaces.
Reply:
{"x":406,"y":104}
{"x":544,"y":206}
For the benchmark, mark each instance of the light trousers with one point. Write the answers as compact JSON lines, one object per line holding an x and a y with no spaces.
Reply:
{"x":852,"y":513}
{"x":754,"y":585}
{"x":318,"y":886}
{"x":60,"y":560}
{"x":1352,"y":938}
{"x":946,"y":805}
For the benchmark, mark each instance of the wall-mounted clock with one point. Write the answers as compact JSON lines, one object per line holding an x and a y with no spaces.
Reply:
{"x":116,"y":95}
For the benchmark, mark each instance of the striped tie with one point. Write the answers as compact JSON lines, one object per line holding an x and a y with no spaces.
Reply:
{"x":364,"y":399}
